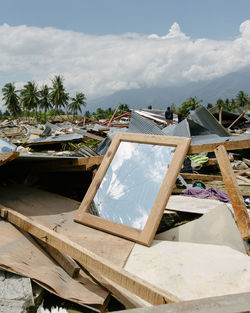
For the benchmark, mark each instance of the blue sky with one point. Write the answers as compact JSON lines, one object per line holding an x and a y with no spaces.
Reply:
{"x":213,"y":19}
{"x":103,"y":46}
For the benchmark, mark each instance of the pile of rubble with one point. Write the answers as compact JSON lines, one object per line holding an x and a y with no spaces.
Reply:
{"x":193,"y":250}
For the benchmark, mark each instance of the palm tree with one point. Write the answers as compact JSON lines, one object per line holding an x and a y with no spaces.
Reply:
{"x":30,"y":97}
{"x":123,"y":108}
{"x":11,"y":99}
{"x":77,"y":102}
{"x":189,"y":105}
{"x":44,"y":99}
{"x":242,"y":98}
{"x":58,"y":96}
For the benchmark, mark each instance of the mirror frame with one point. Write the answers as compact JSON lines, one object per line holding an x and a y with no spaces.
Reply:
{"x":146,"y":235}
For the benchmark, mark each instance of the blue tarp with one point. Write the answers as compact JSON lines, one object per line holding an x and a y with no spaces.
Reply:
{"x":6,"y":146}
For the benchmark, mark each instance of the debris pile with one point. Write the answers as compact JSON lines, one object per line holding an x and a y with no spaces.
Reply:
{"x":130,"y":214}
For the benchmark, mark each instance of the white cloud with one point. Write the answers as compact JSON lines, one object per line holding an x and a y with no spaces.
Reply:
{"x":101,"y":65}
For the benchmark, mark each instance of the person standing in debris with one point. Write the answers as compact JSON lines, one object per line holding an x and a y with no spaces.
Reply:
{"x":169,"y":116}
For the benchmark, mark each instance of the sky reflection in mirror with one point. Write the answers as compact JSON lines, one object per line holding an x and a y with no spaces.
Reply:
{"x":130,"y":186}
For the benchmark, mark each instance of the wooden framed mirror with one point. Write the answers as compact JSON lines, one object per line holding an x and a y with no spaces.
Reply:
{"x":131,"y":188}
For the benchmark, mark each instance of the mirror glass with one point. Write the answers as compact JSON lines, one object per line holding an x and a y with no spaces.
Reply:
{"x":130,"y":186}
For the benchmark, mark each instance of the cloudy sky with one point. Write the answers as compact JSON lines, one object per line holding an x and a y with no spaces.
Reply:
{"x":102,"y":46}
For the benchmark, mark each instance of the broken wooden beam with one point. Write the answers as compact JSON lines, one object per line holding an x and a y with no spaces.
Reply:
{"x":60,"y":165}
{"x":67,"y":263}
{"x":234,"y":192}
{"x":201,"y":176}
{"x":91,"y":261}
{"x":213,"y":161}
{"x":229,"y":145}
{"x":236,"y":120}
{"x":8,"y":156}
{"x":87,"y":134}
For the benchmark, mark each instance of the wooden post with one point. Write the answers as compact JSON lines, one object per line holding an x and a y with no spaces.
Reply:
{"x":220,"y":114}
{"x":234,"y":192}
{"x":91,"y":261}
{"x":237,"y":119}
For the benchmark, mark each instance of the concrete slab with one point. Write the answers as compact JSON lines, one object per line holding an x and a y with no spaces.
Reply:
{"x":217,"y":227}
{"x":15,"y":287}
{"x":12,"y":306}
{"x":190,"y":270}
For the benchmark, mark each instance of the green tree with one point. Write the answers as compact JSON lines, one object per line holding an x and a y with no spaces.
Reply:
{"x":233,"y":105}
{"x":150,"y":107}
{"x":77,"y":102}
{"x":189,"y":105}
{"x":58,"y":96}
{"x":229,"y":105}
{"x":29,"y":97}
{"x":209,"y":106}
{"x":44,"y":99}
{"x":242,"y":99}
{"x":123,"y":108}
{"x":220,"y":103}
{"x":87,"y":114}
{"x":11,"y":99}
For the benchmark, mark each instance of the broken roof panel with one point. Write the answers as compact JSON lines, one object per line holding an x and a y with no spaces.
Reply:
{"x":213,"y":138}
{"x":160,"y":118}
{"x":55,"y":139}
{"x":140,"y":125}
{"x":204,"y":118}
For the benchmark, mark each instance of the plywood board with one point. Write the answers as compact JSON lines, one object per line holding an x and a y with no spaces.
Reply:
{"x":22,"y":255}
{"x":57,"y":212}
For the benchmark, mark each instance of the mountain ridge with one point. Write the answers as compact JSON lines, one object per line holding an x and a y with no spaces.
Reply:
{"x":208,"y":91}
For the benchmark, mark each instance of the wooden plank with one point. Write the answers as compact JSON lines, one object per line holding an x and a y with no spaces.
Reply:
{"x":66,"y":262}
{"x":60,"y":165}
{"x":220,"y":114}
{"x":213,"y":161}
{"x":247,"y":161}
{"x":87,"y":134}
{"x":89,"y":260}
{"x":234,"y":192}
{"x":110,"y":121}
{"x":229,"y":145}
{"x":201,"y":176}
{"x":242,"y":172}
{"x":127,"y":298}
{"x":8,"y":156}
{"x":244,"y":179}
{"x":237,"y":119}
{"x":90,"y":162}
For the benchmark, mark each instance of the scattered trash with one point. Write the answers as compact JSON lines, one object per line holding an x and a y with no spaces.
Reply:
{"x":46,"y":171}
